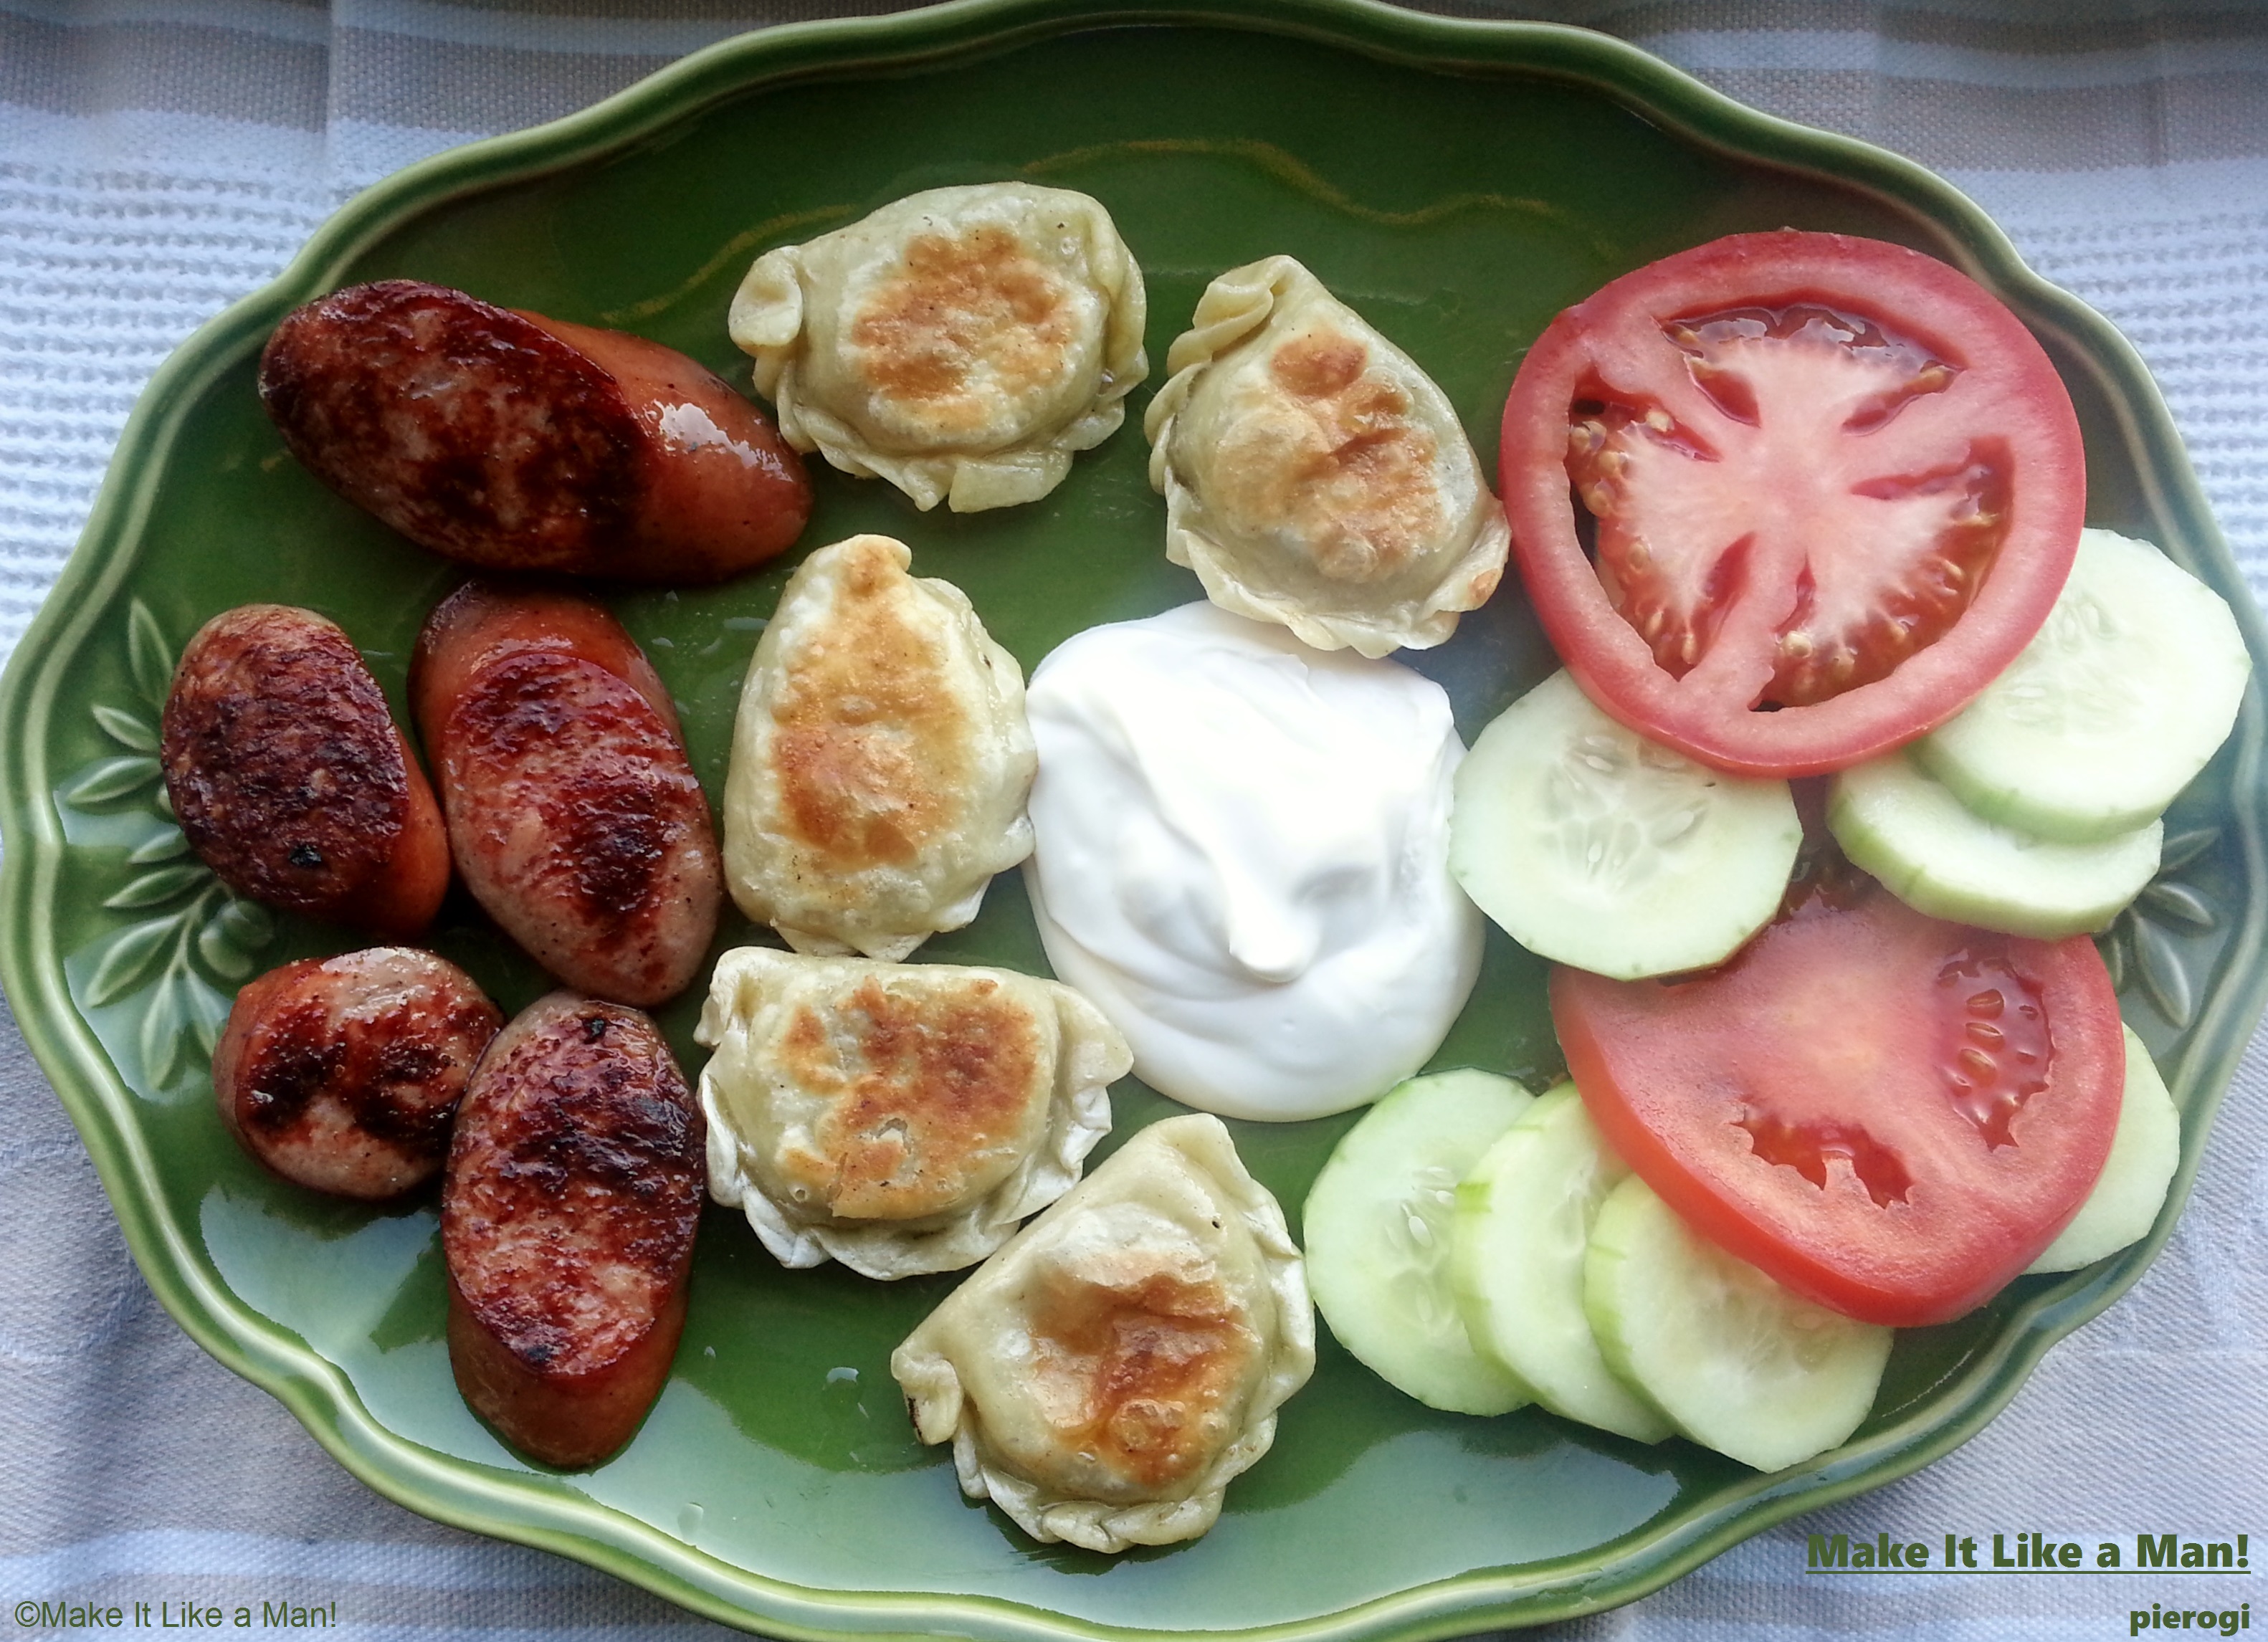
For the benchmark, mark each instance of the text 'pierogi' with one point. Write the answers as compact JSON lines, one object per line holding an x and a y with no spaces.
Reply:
{"x":880,"y":759}
{"x":962,"y":342}
{"x":899,"y":1118}
{"x":1313,"y":475}
{"x":1105,"y":1375}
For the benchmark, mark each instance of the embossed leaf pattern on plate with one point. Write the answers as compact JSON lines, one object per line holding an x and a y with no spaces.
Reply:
{"x":199,"y":942}
{"x":2142,"y":942}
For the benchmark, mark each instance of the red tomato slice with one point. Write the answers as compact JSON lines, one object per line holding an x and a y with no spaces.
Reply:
{"x":1832,"y":487}
{"x":1890,"y":1115}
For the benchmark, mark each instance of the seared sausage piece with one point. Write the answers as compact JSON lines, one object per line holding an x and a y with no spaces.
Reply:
{"x":340,"y":1074}
{"x":573,"y":812}
{"x":567,"y":1221}
{"x":290,"y":779}
{"x":515,"y":442}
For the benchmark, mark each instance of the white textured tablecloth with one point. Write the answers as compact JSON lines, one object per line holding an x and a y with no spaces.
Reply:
{"x":157,"y":161}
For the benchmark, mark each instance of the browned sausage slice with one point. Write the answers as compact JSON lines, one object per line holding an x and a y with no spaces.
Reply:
{"x":514,"y":442}
{"x":290,"y":779}
{"x":484,"y":620}
{"x":340,"y":1074}
{"x":573,"y":811}
{"x":567,"y":1223}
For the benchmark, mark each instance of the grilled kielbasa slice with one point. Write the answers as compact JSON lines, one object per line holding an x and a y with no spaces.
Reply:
{"x":514,"y":442}
{"x":567,"y":1223}
{"x":290,"y":779}
{"x":340,"y":1074}
{"x":573,"y":811}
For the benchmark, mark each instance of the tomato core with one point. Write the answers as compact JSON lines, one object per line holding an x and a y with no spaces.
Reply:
{"x":1673,"y":513}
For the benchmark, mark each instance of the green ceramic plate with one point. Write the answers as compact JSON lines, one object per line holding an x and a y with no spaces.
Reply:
{"x":1458,"y":183}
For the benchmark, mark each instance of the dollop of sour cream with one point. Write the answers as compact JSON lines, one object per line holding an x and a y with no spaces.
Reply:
{"x":1243,"y":859}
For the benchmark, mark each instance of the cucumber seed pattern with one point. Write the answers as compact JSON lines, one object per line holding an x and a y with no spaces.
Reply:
{"x":1617,"y":804}
{"x":2075,"y":678}
{"x":1421,"y":1245}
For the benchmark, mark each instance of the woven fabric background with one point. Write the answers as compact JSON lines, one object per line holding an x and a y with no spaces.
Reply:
{"x":158,"y":160}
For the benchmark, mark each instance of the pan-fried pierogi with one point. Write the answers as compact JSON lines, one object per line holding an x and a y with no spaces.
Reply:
{"x":961,"y":343}
{"x":899,"y":1118}
{"x":1313,"y":475}
{"x":880,"y":759}
{"x":1104,"y":1376}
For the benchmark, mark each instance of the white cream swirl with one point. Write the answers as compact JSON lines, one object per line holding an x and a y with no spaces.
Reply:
{"x":1243,"y":859}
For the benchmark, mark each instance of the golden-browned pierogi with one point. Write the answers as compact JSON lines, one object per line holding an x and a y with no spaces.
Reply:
{"x":962,"y":342}
{"x":1105,"y":1375}
{"x":1313,"y":475}
{"x":880,"y":759}
{"x":901,"y":1118}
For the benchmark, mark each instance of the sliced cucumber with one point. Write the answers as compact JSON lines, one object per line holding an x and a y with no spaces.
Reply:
{"x":2110,"y":711}
{"x":1739,"y":1363}
{"x":1378,"y":1229}
{"x":2145,"y":1151}
{"x":1940,"y":857}
{"x":1523,"y":1221}
{"x":1595,"y":847}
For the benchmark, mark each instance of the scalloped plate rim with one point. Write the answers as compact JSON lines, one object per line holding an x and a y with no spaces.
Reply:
{"x":538,"y":1512}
